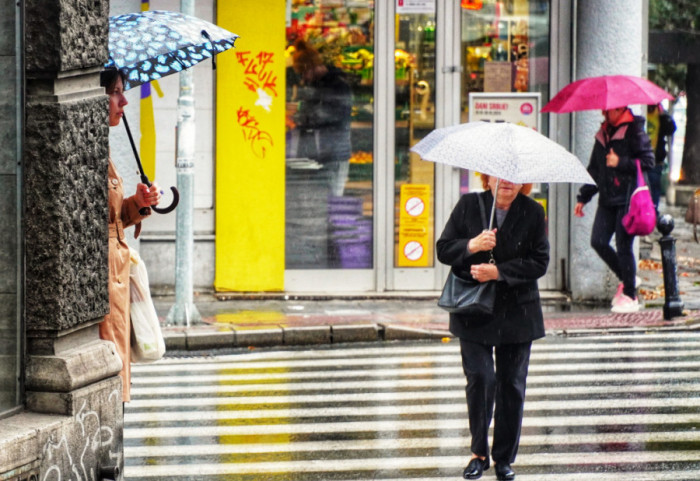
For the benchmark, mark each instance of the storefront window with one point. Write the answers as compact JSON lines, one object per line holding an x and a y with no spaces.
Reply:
{"x":505,"y":54}
{"x":414,"y":64}
{"x":329,"y":165}
{"x":9,"y":257}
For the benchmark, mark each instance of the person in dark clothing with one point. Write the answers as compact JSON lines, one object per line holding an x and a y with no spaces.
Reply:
{"x":620,"y":141}
{"x":660,"y":126}
{"x":324,"y":114}
{"x":521,"y":252}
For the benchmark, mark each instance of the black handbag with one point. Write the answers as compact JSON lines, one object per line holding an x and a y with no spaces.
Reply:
{"x":467,"y":296}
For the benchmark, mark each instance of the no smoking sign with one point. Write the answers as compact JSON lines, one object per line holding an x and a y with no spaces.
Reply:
{"x":413,"y":250}
{"x":414,"y":206}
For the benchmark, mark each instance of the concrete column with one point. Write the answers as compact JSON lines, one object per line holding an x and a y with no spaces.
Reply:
{"x":70,"y":373}
{"x":608,"y":42}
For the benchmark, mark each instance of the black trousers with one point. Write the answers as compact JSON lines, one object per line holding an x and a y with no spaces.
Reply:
{"x":502,"y":388}
{"x":608,"y":221}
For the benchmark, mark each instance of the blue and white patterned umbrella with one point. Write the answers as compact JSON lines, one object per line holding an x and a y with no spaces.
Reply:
{"x":150,"y":45}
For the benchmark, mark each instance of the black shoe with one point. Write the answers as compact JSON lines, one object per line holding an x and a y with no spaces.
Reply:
{"x":476,"y":468}
{"x":504,"y":472}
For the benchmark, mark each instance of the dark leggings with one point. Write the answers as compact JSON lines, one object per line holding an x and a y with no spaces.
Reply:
{"x":608,"y":221}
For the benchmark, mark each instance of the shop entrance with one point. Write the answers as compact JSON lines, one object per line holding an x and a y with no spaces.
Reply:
{"x":366,"y":81}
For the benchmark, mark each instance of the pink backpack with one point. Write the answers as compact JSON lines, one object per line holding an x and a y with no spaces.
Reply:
{"x":641,"y":216}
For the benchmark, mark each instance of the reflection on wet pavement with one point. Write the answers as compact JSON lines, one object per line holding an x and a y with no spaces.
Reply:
{"x":598,"y":408}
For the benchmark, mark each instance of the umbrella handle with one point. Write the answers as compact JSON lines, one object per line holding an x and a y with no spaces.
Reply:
{"x":173,"y":204}
{"x":163,"y":210}
{"x":144,"y":178}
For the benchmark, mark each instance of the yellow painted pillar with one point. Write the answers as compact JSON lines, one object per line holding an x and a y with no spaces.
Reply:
{"x":250,"y":148}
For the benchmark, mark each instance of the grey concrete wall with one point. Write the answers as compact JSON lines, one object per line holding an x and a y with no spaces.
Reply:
{"x":608,"y":42}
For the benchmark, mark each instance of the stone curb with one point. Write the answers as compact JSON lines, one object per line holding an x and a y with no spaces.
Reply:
{"x":194,"y":339}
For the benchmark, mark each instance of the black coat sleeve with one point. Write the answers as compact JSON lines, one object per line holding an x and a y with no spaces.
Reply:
{"x":464,"y":224}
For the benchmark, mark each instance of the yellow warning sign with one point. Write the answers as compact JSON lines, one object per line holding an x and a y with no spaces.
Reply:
{"x":415,"y":233}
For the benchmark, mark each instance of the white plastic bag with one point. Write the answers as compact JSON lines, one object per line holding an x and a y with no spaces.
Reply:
{"x":147,"y":343}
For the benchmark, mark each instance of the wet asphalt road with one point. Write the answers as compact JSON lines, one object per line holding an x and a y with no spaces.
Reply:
{"x":599,"y":408}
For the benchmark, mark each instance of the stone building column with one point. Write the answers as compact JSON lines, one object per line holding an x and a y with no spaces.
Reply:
{"x":70,"y":372}
{"x":609,"y":41}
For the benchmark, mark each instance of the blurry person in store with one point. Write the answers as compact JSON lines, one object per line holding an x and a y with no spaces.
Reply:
{"x":619,"y":143}
{"x":323,"y":115}
{"x":660,"y":128}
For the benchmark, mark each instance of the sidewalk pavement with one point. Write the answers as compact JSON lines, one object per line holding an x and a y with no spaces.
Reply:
{"x":249,"y":321}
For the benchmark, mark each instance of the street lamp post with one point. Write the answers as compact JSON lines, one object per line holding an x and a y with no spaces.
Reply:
{"x":184,"y":312}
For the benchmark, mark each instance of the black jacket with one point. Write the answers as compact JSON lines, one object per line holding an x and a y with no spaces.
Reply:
{"x":522,"y":256}
{"x":616,"y":184}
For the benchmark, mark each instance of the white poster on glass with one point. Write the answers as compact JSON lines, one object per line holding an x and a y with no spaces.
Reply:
{"x":415,"y":6}
{"x":518,"y":108}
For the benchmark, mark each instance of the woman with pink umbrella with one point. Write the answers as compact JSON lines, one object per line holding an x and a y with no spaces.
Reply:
{"x":621,"y":142}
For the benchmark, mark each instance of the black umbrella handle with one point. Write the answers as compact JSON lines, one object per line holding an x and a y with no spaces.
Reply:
{"x":144,"y":178}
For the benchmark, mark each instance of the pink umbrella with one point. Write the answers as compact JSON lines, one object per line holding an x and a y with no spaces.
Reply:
{"x":605,"y":93}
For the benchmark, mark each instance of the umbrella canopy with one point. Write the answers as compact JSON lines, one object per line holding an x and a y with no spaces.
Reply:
{"x":605,"y":93}
{"x":150,"y":45}
{"x":504,"y":150}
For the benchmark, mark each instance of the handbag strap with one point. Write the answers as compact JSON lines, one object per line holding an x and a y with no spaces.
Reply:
{"x":482,"y":211}
{"x":640,"y":176}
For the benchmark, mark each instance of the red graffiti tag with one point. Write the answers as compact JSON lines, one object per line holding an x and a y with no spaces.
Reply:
{"x":252,"y":133}
{"x":258,"y":72}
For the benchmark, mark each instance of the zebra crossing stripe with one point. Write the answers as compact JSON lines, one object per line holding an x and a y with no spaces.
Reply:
{"x":567,"y":441}
{"x":532,"y":392}
{"x":453,"y":369}
{"x":452,"y":408}
{"x":403,"y":463}
{"x":373,"y":361}
{"x":693,"y":375}
{"x":413,"y":425}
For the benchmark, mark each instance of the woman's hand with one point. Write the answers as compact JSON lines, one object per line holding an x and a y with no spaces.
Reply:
{"x":612,"y":160}
{"x":483,"y":242}
{"x":578,"y":210}
{"x":148,"y":196}
{"x":484,"y":272}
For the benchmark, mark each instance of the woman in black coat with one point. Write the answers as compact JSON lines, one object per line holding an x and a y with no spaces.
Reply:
{"x":521,"y":252}
{"x":619,"y":143}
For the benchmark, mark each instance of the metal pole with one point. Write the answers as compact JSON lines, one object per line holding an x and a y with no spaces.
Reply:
{"x":673,"y":305}
{"x":184,"y":312}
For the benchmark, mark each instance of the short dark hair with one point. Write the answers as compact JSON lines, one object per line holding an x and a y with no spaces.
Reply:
{"x":109,"y":76}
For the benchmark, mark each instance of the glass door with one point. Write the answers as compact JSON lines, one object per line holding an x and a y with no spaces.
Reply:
{"x":504,"y":50}
{"x":413,"y":192}
{"x":330,"y":145}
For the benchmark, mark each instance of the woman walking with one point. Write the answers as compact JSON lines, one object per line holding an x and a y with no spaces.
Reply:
{"x":619,"y":143}
{"x":521,"y":251}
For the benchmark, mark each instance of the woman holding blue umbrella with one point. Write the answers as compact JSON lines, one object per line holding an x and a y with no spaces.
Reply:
{"x":123,"y":213}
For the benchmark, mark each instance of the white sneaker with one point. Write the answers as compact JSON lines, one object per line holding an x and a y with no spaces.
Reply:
{"x":617,"y":295}
{"x":625,"y":304}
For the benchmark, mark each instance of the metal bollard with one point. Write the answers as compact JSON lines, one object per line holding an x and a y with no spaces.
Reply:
{"x":673,"y":305}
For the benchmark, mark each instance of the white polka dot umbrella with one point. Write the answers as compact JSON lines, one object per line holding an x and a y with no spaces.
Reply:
{"x":504,"y":150}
